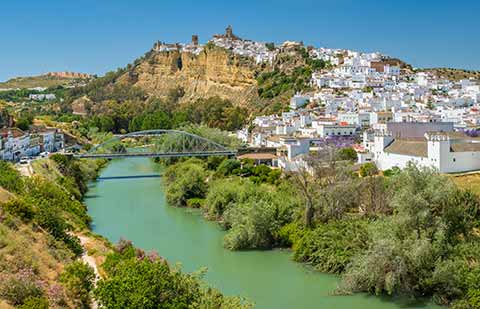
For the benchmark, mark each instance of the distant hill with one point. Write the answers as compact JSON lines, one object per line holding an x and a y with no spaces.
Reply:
{"x":453,"y":74}
{"x":51,"y":79}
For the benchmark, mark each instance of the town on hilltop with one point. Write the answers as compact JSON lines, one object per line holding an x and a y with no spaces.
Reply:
{"x":388,"y":112}
{"x":389,"y":115}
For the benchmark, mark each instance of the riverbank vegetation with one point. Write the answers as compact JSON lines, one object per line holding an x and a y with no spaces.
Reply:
{"x":38,"y":224}
{"x":411,"y":232}
{"x":41,"y":222}
{"x":139,"y":280}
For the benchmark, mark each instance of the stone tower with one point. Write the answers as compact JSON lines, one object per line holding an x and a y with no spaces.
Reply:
{"x":195,"y":39}
{"x":229,"y":32}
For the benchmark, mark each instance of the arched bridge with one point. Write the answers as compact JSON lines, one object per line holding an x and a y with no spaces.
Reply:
{"x":157,"y":144}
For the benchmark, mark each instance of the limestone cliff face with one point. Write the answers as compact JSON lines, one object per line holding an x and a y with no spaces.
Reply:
{"x":213,"y":72}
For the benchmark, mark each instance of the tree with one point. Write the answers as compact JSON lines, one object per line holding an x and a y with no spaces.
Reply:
{"x":347,"y":154}
{"x":24,"y":122}
{"x":78,"y":279}
{"x":368,"y":169}
{"x":185,"y":181}
{"x":138,"y":280}
{"x":228,"y":167}
{"x":328,"y":188}
{"x":415,"y":250}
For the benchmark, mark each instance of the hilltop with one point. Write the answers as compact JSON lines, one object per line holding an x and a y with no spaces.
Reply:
{"x":259,"y":76}
{"x":453,"y":74}
{"x":51,"y":79}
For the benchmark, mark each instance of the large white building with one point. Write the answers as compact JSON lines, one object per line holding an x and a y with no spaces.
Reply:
{"x":447,"y":152}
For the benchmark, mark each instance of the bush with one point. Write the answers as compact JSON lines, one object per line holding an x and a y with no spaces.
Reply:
{"x":35,"y":303}
{"x":228,"y":167}
{"x":195,"y":202}
{"x":368,"y":169}
{"x":348,"y":154}
{"x":257,"y":218}
{"x":78,"y":280}
{"x":16,"y":289}
{"x":427,"y":247}
{"x":222,"y":195}
{"x":20,"y":208}
{"x":185,"y":181}
{"x":136,"y":280}
{"x":10,"y":178}
{"x":330,"y":247}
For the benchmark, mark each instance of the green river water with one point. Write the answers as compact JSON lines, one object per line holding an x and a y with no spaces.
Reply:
{"x":135,"y":209}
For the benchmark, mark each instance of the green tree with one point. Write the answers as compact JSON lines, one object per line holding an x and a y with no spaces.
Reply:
{"x":185,"y":181}
{"x":78,"y":279}
{"x":20,"y":208}
{"x":348,"y":154}
{"x":228,"y":167}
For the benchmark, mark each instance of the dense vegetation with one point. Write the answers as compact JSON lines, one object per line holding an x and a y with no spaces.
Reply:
{"x":37,"y":235}
{"x":139,"y":280}
{"x":39,"y":250}
{"x":292,"y":74}
{"x":133,"y":112}
{"x":396,"y":234}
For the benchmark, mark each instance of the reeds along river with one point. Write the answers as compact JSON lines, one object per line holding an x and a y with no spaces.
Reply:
{"x":128,"y":201}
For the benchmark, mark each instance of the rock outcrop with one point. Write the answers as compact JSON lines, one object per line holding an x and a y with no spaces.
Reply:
{"x":213,"y":72}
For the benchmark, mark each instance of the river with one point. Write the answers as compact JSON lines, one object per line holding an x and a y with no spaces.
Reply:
{"x":127,"y":201}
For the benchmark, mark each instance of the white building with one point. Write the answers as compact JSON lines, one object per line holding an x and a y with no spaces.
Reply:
{"x":357,"y":119}
{"x":298,"y":101}
{"x":325,"y":130}
{"x":446,"y":153}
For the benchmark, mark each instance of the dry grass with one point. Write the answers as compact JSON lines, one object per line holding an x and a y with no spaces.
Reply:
{"x":37,"y":81}
{"x":468,"y":181}
{"x":5,"y":195}
{"x":97,"y":247}
{"x":46,"y":168}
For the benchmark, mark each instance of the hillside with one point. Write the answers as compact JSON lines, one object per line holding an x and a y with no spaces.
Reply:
{"x":45,"y":81}
{"x":453,"y":74}
{"x":213,"y":72}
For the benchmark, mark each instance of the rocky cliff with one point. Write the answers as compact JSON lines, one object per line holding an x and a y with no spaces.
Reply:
{"x":213,"y":72}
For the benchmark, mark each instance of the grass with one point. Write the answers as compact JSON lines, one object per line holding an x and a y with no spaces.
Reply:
{"x":5,"y":195}
{"x":37,"y":81}
{"x":468,"y":181}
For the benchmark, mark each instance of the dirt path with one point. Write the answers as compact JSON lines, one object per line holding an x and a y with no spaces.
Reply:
{"x":90,"y":260}
{"x":25,"y":169}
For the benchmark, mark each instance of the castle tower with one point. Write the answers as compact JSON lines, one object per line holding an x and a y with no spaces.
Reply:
{"x":195,"y":40}
{"x":229,"y":32}
{"x":438,"y":147}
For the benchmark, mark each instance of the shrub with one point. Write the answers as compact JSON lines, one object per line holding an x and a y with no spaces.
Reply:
{"x":330,"y":247}
{"x":228,"y":167}
{"x":35,"y":303}
{"x":78,"y":280}
{"x":16,"y":289}
{"x":20,"y":208}
{"x":222,"y":195}
{"x":185,"y":181}
{"x":135,"y":280}
{"x":348,"y":154}
{"x":257,"y":218}
{"x":10,"y":178}
{"x":195,"y":202}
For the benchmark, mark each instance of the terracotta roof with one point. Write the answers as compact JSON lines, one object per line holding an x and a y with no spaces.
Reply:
{"x":15,"y":132}
{"x":258,"y":156}
{"x":408,"y":147}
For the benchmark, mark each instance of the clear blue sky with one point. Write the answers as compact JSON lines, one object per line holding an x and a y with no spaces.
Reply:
{"x":96,"y":36}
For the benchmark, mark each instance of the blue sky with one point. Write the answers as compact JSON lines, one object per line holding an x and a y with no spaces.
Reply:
{"x":96,"y":36}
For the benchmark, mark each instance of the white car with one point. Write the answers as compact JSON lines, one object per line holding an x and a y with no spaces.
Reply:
{"x":23,"y":161}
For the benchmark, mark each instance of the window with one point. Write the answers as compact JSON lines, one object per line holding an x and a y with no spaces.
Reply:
{"x":454,"y":159}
